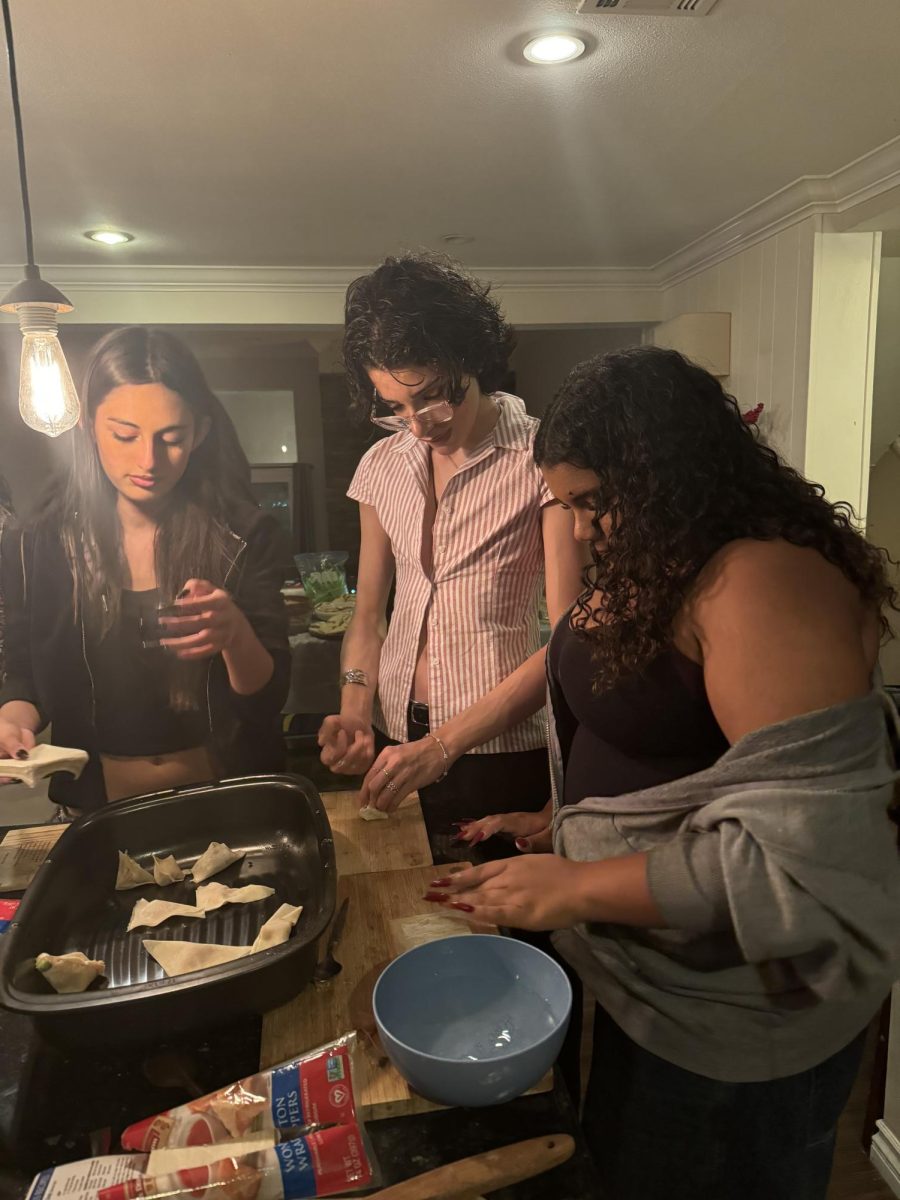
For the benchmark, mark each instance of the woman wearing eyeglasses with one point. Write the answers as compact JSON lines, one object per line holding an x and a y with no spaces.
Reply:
{"x":454,"y":509}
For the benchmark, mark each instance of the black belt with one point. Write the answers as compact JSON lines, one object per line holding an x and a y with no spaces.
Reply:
{"x":417,"y":713}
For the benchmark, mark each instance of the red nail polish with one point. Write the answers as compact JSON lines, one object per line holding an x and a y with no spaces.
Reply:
{"x":436,"y":897}
{"x":478,"y":837}
{"x":441,"y":883}
{"x":521,"y":844}
{"x":462,"y":907}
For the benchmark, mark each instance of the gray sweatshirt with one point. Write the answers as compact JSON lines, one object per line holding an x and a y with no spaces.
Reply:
{"x":778,"y":875}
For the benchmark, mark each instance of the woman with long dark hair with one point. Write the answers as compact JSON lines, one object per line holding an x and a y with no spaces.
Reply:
{"x":144,"y":614}
{"x":725,"y":878}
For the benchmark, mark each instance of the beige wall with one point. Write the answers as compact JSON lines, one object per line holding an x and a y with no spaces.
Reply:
{"x":886,"y":384}
{"x":768,"y":290}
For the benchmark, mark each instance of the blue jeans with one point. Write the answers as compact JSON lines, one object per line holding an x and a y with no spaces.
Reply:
{"x":659,"y":1132}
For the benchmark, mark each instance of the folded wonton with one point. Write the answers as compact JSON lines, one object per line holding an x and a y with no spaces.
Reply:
{"x":213,"y":895}
{"x":373,"y":814}
{"x":177,"y":958}
{"x":215,"y":858}
{"x":278,"y":927}
{"x":154,"y":912}
{"x":166,"y":870}
{"x":131,"y":874}
{"x":72,"y":972}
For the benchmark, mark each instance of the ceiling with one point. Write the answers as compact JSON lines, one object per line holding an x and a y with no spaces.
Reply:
{"x":332,"y":132}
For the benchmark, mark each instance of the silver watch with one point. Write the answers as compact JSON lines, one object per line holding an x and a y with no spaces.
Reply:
{"x":354,"y":675}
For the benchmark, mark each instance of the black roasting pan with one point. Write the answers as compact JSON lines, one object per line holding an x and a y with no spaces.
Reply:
{"x":72,"y":905}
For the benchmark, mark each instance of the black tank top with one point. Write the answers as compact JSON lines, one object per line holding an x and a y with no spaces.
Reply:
{"x":646,"y":730}
{"x":131,"y":682}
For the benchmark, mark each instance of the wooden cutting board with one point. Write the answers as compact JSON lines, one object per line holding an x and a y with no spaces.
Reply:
{"x":380,"y":902}
{"x":391,"y":845}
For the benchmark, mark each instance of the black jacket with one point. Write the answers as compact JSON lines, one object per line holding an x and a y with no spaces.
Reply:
{"x":47,"y":660}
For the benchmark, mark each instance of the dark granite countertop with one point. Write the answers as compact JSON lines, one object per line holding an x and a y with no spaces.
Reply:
{"x":58,"y":1106}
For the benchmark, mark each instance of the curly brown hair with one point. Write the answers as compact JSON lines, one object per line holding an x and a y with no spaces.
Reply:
{"x":424,"y":310}
{"x":681,"y":474}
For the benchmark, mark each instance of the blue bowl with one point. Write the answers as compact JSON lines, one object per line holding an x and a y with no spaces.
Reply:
{"x":472,"y":1020}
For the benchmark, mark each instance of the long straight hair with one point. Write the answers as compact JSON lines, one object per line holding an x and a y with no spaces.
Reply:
{"x":192,"y":536}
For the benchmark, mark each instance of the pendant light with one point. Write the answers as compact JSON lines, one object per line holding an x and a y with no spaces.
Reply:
{"x":48,"y":401}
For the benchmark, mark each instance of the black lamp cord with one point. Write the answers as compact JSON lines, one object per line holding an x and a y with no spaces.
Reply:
{"x":31,"y":269}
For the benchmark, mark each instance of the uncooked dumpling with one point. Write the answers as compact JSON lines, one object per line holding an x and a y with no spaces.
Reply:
{"x":154,"y":912}
{"x":373,"y":814}
{"x":213,"y":895}
{"x":177,"y":958}
{"x":131,"y":874}
{"x":215,"y":858}
{"x":166,"y":870}
{"x":278,"y":927}
{"x":72,"y":972}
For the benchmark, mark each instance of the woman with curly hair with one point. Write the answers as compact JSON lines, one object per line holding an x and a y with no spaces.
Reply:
{"x":725,"y":878}
{"x":453,"y":506}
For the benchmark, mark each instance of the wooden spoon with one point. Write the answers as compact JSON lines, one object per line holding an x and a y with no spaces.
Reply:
{"x":484,"y":1172}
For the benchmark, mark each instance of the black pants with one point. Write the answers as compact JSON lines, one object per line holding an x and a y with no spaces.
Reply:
{"x":478,"y":785}
{"x":659,"y":1132}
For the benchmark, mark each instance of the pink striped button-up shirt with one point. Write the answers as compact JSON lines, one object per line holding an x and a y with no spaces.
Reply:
{"x":480,"y":601}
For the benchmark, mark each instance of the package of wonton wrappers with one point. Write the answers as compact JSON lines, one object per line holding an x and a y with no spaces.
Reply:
{"x":315,"y":1089}
{"x":325,"y":1162}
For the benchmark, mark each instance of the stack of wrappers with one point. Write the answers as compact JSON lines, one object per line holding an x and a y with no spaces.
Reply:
{"x":291,"y":1131}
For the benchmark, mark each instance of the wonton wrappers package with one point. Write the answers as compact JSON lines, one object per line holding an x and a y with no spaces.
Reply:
{"x":311,"y":1090}
{"x":215,"y":858}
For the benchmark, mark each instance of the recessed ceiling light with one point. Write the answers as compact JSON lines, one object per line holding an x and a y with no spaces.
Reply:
{"x":554,"y":48}
{"x":109,"y":237}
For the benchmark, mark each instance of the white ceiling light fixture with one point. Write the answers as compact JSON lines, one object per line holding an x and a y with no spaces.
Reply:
{"x":109,"y":237}
{"x":552,"y":48}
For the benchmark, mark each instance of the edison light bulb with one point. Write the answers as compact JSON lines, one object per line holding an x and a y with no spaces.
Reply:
{"x":48,"y":401}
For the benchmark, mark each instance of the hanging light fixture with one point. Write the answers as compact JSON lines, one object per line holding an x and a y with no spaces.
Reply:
{"x":48,"y":401}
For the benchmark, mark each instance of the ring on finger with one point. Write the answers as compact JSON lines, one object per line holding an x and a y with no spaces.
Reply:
{"x":338,"y":764}
{"x":391,"y":786}
{"x":386,"y":773}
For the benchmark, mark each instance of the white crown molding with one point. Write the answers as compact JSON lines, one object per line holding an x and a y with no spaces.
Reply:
{"x":853,"y":185}
{"x":857,"y":184}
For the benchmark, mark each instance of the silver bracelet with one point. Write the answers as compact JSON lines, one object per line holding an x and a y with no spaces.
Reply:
{"x":354,"y":675}
{"x":444,"y":752}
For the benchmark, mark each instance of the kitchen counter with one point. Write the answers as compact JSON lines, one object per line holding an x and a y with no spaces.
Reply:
{"x":58,"y":1106}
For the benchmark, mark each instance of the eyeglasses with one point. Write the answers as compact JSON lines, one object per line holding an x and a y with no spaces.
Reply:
{"x":426,"y":418}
